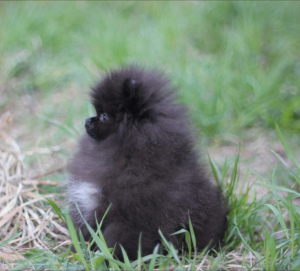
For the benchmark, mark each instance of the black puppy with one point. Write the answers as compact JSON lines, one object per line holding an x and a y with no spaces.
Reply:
{"x":138,"y":156}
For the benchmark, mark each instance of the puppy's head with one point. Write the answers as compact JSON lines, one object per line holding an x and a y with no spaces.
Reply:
{"x":126,"y":97}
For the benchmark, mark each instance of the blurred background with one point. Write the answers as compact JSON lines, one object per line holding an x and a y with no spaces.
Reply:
{"x":236,"y":66}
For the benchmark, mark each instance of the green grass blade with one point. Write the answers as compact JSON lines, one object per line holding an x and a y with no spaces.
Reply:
{"x":257,"y":255}
{"x":279,"y":217}
{"x":279,"y":188}
{"x":193,"y":237}
{"x":153,"y":258}
{"x":56,"y":209}
{"x":75,"y":241}
{"x":287,"y":149}
{"x":170,"y":248}
{"x":99,"y":225}
{"x":215,"y":171}
{"x":5,"y":242}
{"x":139,"y":266}
{"x":68,"y":129}
{"x":126,"y":259}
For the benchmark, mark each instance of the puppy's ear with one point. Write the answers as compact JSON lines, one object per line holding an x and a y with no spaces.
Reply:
{"x":130,"y":87}
{"x":134,"y":99}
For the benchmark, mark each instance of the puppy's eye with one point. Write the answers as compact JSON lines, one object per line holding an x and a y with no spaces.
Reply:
{"x":103,"y":117}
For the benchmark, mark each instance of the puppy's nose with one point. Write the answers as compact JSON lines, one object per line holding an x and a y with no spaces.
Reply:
{"x":88,"y":121}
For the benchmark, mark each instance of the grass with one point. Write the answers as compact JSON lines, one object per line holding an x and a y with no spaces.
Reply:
{"x":237,"y":67}
{"x":262,"y":234}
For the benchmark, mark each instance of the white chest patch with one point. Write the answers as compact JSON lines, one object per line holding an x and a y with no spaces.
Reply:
{"x":86,"y":196}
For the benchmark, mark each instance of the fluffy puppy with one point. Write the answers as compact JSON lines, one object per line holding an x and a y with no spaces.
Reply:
{"x":138,"y":156}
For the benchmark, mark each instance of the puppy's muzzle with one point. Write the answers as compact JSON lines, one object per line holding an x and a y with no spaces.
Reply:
{"x":90,"y":121}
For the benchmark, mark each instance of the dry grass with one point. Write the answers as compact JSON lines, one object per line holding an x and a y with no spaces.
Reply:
{"x":22,"y":207}
{"x":256,"y":156}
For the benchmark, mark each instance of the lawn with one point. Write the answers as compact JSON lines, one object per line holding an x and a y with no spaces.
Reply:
{"x":237,"y":68}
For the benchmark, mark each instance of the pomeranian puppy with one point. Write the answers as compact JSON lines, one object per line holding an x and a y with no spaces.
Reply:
{"x":138,"y":157}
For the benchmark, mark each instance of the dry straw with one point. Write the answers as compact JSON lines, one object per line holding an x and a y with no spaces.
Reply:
{"x":23,"y":209}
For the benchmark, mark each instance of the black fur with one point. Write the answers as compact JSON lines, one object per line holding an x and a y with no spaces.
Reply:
{"x":138,"y":155}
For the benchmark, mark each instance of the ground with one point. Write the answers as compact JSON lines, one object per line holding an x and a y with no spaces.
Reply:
{"x":236,"y":67}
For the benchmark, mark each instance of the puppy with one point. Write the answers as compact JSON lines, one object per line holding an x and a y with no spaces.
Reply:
{"x":138,"y":157}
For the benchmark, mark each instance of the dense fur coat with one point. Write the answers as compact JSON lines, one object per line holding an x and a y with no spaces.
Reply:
{"x":138,"y":155}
